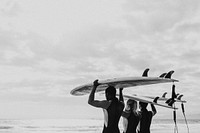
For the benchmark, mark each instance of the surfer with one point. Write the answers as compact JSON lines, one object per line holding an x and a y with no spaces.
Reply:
{"x":130,"y":117}
{"x":145,"y":118}
{"x":112,"y":107}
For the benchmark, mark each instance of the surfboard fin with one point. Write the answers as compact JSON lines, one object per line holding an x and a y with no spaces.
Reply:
{"x":155,"y":99}
{"x":164,"y":94}
{"x":179,"y":97}
{"x":145,"y":73}
{"x":162,"y":75}
{"x":177,"y":94}
{"x":173,"y":92}
{"x":170,"y":102}
{"x":169,"y":74}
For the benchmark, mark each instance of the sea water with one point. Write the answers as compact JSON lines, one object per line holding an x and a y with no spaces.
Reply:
{"x":87,"y":126}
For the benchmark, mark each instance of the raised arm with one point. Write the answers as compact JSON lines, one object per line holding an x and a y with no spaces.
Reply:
{"x":96,"y":103}
{"x":121,"y":95}
{"x":153,"y":109}
{"x":92,"y":93}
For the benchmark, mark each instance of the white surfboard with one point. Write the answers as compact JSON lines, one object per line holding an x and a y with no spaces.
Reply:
{"x":146,"y":100}
{"x":165,"y":99}
{"x":120,"y":83}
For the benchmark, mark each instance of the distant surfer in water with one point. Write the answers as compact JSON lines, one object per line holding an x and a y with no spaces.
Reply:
{"x":145,"y":118}
{"x":130,"y":117}
{"x":112,"y":107}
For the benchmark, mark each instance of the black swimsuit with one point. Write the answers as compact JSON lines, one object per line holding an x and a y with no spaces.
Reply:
{"x":133,"y":120}
{"x":114,"y":113}
{"x":145,"y":121}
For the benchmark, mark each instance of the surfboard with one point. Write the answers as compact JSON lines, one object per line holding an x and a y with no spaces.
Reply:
{"x":123,"y":82}
{"x":146,"y":100}
{"x":163,"y":98}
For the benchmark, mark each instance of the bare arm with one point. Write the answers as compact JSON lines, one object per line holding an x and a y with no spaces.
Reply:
{"x":92,"y":93}
{"x":96,"y":103}
{"x":153,"y":109}
{"x":125,"y":124}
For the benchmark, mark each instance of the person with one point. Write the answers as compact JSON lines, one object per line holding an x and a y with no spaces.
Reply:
{"x":145,"y":118}
{"x":112,"y":107}
{"x":130,"y":117}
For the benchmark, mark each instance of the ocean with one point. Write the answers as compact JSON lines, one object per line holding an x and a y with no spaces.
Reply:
{"x":86,"y":126}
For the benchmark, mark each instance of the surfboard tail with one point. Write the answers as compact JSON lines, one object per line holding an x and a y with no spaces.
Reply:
{"x":162,"y":75}
{"x":145,"y":73}
{"x":164,"y":94}
{"x":169,"y":74}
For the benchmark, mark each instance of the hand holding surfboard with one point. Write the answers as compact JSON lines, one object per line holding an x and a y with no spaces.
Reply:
{"x":123,"y":82}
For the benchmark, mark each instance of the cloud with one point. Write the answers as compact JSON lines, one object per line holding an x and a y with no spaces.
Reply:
{"x":191,"y":57}
{"x":150,"y":17}
{"x":49,"y":48}
{"x":193,"y":27}
{"x":112,"y":46}
{"x":14,"y":48}
{"x":9,"y":8}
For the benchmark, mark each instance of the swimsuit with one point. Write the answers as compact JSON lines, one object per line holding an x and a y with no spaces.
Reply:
{"x":145,"y":121}
{"x":133,"y":121}
{"x":114,"y":113}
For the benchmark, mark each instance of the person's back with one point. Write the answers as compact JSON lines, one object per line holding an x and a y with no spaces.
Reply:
{"x":114,"y":112}
{"x":130,"y":117}
{"x":133,"y":122}
{"x":145,"y":121}
{"x":145,"y":118}
{"x":112,"y":107}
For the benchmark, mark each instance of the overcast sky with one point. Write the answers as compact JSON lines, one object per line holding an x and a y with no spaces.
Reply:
{"x":49,"y":47}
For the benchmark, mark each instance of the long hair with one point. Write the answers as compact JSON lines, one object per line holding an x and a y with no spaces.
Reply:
{"x":132,"y":104}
